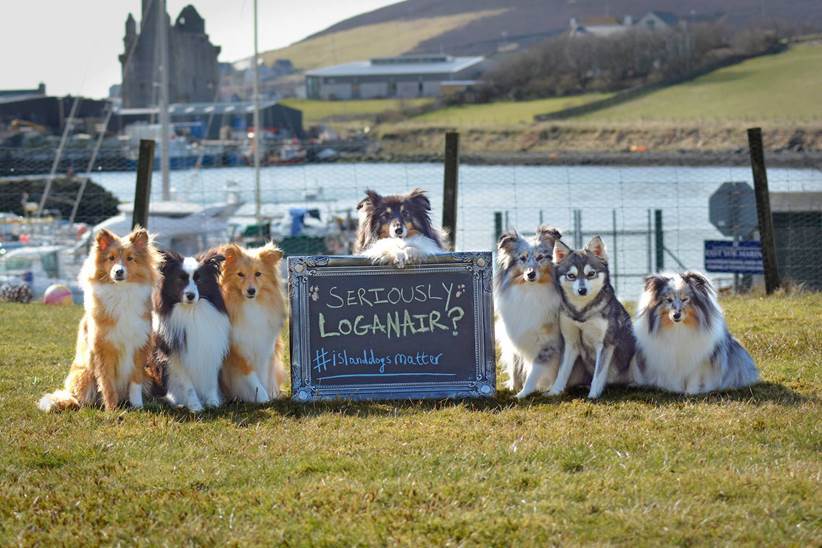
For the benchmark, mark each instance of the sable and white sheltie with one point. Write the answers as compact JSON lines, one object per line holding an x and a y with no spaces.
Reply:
{"x":683,"y":343}
{"x":528,"y":305}
{"x":397,"y":229}
{"x":113,"y":338}
{"x":191,"y":330}
{"x":251,"y":287}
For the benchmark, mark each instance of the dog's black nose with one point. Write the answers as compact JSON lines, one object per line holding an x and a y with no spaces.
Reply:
{"x":119,"y":273}
{"x":582,"y":291}
{"x":251,"y":291}
{"x":398,"y":230}
{"x":189,"y":296}
{"x":677,"y":316}
{"x":532,"y":275}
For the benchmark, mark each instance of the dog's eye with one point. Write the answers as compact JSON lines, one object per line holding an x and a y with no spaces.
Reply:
{"x":592,"y":274}
{"x":523,"y":258}
{"x":129,"y":258}
{"x":669,"y":299}
{"x":184,"y":277}
{"x":406,"y":214}
{"x":240,"y":274}
{"x":571,"y":276}
{"x":540,"y":257}
{"x":257,"y":274}
{"x":685,"y":299}
{"x":111,"y":257}
{"x":196,"y":277}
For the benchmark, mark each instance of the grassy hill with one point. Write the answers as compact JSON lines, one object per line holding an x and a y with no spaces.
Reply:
{"x":376,"y":40}
{"x":315,"y":111}
{"x":502,"y":113}
{"x":637,"y":467}
{"x":774,"y":88}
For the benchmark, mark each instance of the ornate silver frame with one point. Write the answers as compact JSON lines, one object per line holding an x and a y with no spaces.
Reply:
{"x":302,"y":268}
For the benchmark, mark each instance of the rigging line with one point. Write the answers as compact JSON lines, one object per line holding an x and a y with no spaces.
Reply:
{"x":90,"y":167}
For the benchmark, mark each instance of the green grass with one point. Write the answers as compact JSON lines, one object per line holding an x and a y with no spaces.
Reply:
{"x":376,"y":40}
{"x":502,"y":113}
{"x":638,"y":467}
{"x":774,"y":88}
{"x":315,"y":111}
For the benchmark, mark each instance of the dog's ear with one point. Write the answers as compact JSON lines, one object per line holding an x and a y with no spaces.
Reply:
{"x":372,"y":199}
{"x":418,"y":198}
{"x":655,"y":282}
{"x":548,"y":235}
{"x":508,"y":241}
{"x":232,"y":253}
{"x":560,"y":251}
{"x":270,"y":254}
{"x":104,"y":239}
{"x":698,"y":282}
{"x":597,"y":247}
{"x":139,"y":238}
{"x":212,"y":258}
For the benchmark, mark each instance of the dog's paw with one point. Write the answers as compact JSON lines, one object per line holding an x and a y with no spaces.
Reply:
{"x":552,"y":392}
{"x":522,"y":394}
{"x":400,"y":259}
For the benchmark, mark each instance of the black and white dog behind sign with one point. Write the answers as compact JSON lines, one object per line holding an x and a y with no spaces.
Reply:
{"x":594,"y":324}
{"x":191,"y":331}
{"x":397,"y":229}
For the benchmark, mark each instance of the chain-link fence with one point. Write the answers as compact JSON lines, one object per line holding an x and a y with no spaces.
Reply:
{"x":648,"y":216}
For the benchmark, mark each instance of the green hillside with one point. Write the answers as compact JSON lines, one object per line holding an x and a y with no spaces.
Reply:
{"x":502,"y":113}
{"x":785,"y":87}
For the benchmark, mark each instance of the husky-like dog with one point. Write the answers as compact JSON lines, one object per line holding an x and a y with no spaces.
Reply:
{"x":397,"y":229}
{"x":683,"y":343}
{"x":594,"y":324}
{"x":528,"y":310}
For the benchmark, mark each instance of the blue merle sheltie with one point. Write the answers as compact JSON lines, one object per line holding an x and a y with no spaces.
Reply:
{"x":397,"y":229}
{"x":191,"y":331}
{"x":683,"y":343}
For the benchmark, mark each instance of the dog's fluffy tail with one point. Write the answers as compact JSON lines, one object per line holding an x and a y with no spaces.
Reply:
{"x":277,"y":368}
{"x":741,"y":370}
{"x":59,"y":400}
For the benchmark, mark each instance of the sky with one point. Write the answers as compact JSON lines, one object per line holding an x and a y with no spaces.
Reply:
{"x":72,"y":45}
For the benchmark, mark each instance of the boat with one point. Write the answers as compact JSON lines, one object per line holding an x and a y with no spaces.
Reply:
{"x":41,"y":266}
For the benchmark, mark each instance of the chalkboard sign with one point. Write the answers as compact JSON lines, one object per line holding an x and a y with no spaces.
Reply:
{"x":363,"y":331}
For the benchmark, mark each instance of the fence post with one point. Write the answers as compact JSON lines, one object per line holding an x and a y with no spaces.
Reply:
{"x":449,"y":190}
{"x":763,"y":209}
{"x":660,"y":242}
{"x":142,"y":191}
{"x":497,"y":225}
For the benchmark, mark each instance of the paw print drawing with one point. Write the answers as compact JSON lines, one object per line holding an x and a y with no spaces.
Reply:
{"x":460,"y":290}
{"x":314,"y":293}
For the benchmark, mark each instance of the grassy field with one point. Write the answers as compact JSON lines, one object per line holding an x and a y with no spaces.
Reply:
{"x":315,"y":112}
{"x":784,"y":88}
{"x":377,"y":40}
{"x":501,"y":114}
{"x":638,"y":467}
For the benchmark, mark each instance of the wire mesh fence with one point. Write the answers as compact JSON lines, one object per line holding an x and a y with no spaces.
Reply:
{"x":649,"y":217}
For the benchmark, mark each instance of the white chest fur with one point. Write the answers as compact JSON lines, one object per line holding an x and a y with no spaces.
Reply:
{"x":128,"y":305}
{"x":678,"y":358}
{"x":206,"y":336}
{"x":529,"y":314}
{"x":254,"y":334}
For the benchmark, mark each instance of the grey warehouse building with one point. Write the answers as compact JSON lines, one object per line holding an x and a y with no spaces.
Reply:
{"x":402,"y":77}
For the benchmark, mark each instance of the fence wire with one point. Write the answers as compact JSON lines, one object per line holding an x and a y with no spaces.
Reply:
{"x":311,"y":208}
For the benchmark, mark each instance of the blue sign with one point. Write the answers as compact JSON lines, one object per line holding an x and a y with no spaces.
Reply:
{"x":734,"y":257}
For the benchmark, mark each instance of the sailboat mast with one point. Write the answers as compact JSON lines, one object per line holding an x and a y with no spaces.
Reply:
{"x":164,"y":117}
{"x":258,"y":134}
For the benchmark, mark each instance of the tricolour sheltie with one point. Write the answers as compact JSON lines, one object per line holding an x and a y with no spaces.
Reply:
{"x":113,"y":338}
{"x":397,"y":229}
{"x":683,"y":343}
{"x":528,"y":305}
{"x":251,"y":287}
{"x":191,"y":330}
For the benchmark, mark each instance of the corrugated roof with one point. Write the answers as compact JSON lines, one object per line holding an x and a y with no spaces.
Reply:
{"x":183,"y":109}
{"x":367,"y":68}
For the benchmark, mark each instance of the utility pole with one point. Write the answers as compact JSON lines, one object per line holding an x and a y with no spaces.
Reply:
{"x":257,"y":129}
{"x":162,"y":35}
